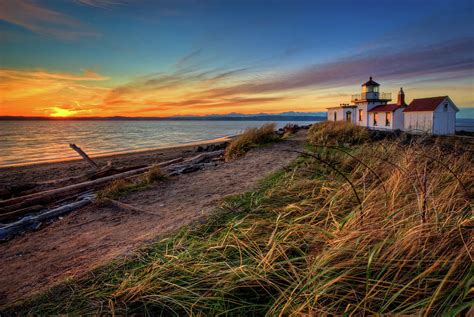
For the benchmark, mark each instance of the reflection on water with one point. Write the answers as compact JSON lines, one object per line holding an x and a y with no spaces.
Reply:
{"x":23,"y":142}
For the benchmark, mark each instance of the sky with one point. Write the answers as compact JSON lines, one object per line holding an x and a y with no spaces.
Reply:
{"x":164,"y":58}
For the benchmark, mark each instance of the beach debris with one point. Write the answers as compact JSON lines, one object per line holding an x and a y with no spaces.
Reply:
{"x":84,"y":155}
{"x":58,"y":193}
{"x":33,"y":222}
{"x":212,"y":147}
{"x":20,"y":212}
{"x":24,"y":206}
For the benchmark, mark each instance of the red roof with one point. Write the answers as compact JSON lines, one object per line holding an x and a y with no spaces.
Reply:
{"x":425,"y":104}
{"x":386,"y":108}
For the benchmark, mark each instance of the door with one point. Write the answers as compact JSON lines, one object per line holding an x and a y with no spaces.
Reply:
{"x":349,"y":116}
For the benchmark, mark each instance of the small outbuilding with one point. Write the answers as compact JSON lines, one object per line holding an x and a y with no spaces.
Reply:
{"x":435,"y":115}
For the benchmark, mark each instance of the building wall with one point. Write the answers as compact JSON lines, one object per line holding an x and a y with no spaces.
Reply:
{"x":339,"y":113}
{"x":365,"y":107}
{"x":418,"y":122}
{"x":398,"y":119}
{"x":444,"y":118}
{"x":380,"y":122}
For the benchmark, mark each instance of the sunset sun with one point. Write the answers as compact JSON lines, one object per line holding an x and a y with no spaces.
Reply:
{"x":60,"y":112}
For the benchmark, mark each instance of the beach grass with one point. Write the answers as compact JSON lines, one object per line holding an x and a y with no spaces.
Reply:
{"x":250,"y":138}
{"x":373,"y":228}
{"x":123,"y":187}
{"x":337,"y":133}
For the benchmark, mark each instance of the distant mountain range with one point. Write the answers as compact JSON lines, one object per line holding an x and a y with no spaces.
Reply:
{"x":284,"y":116}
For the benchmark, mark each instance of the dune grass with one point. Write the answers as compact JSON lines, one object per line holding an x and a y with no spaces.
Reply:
{"x":378,"y":228}
{"x":122,"y":187}
{"x":337,"y":133}
{"x":251,"y":137}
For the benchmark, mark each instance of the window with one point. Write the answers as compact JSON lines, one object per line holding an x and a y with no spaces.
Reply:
{"x":335,"y":116}
{"x":445,"y":107}
{"x":376,"y":117}
{"x":361,"y":112}
{"x":388,"y":118}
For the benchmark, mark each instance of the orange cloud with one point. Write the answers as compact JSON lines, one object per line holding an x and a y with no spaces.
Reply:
{"x":40,"y":92}
{"x":192,"y":91}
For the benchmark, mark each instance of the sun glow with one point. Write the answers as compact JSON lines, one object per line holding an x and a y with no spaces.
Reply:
{"x":60,"y":112}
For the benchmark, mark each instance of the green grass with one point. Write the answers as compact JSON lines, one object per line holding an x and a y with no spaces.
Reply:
{"x":302,"y":244}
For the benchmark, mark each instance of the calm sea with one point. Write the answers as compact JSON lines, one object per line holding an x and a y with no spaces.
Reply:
{"x":26,"y":142}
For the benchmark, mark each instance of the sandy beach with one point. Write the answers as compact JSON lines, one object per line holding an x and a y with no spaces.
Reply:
{"x":25,"y":174}
{"x":95,"y":235}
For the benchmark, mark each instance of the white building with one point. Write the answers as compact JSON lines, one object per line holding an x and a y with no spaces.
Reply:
{"x":436,"y":115}
{"x":371,"y":109}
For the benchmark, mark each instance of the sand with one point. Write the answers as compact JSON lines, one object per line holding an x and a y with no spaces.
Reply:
{"x":95,"y":235}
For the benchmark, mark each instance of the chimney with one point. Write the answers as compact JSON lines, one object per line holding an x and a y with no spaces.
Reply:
{"x":401,"y":98}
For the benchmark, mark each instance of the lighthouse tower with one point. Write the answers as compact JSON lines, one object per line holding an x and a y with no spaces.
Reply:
{"x":369,"y":98}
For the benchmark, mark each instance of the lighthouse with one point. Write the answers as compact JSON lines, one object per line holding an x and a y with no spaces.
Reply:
{"x":369,"y":98}
{"x":370,"y":108}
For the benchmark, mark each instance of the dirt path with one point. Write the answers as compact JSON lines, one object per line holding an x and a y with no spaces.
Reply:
{"x":95,"y":235}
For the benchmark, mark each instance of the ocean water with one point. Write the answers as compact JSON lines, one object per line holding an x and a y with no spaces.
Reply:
{"x":27,"y":142}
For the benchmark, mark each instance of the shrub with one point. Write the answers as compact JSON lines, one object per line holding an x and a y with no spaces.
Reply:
{"x":251,"y":137}
{"x":153,"y":175}
{"x":290,"y":128}
{"x":121,"y":187}
{"x":337,"y":133}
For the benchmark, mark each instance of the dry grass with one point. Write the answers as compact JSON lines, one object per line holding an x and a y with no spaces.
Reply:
{"x":339,"y":132}
{"x":303,"y":244}
{"x":251,"y":137}
{"x":121,"y":187}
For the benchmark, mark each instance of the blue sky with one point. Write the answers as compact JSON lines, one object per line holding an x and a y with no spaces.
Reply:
{"x":147,"y":57}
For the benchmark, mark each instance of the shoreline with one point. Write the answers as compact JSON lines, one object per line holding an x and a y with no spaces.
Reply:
{"x":120,"y":153}
{"x":20,"y":175}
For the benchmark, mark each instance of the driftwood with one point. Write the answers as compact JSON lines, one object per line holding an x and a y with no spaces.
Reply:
{"x":52,"y":194}
{"x":20,"y":212}
{"x":84,"y":155}
{"x":20,"y":206}
{"x":106,"y":171}
{"x":33,"y":222}
{"x":193,"y":164}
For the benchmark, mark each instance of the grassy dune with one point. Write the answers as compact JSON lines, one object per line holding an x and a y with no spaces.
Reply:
{"x":377,"y":227}
{"x":252,"y":137}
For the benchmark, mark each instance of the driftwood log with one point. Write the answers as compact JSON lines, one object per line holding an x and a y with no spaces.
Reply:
{"x":20,"y":212}
{"x":194,"y":163}
{"x":52,"y":194}
{"x":84,"y":155}
{"x":33,"y":222}
{"x":20,"y":206}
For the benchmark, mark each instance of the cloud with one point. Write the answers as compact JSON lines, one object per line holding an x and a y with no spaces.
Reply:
{"x":41,"y":20}
{"x":208,"y":103}
{"x":440,"y":59}
{"x":101,"y":3}
{"x":184,"y":61}
{"x":42,"y":93}
{"x":87,"y":75}
{"x":197,"y":89}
